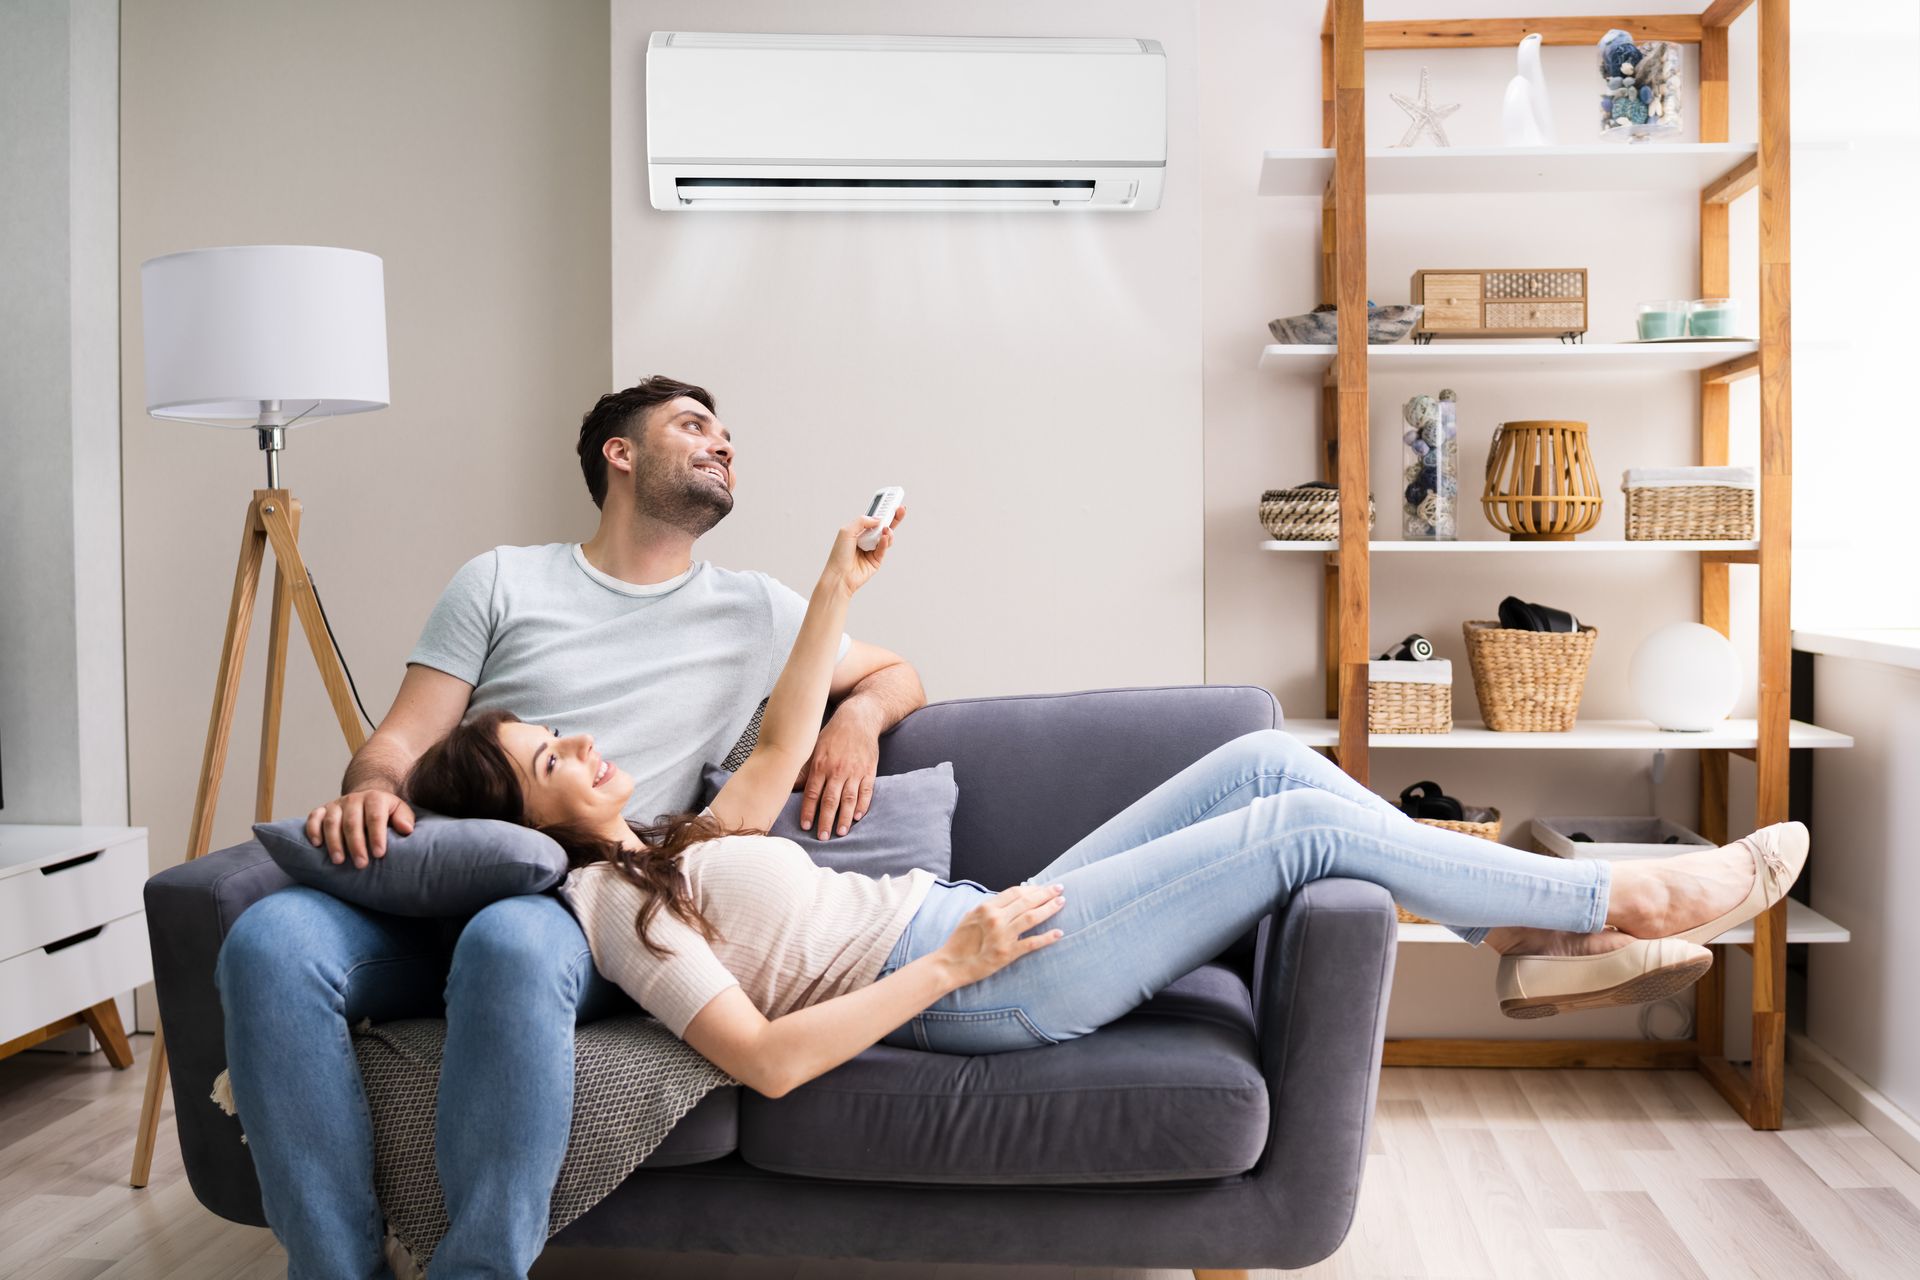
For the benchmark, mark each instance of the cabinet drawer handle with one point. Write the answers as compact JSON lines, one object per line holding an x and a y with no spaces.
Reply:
{"x":81,"y":936}
{"x":70,"y":862}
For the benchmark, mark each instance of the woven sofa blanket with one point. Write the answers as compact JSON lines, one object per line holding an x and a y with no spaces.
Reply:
{"x":632,"y":1082}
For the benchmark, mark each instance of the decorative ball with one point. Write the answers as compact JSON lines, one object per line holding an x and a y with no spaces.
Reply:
{"x":1646,"y":93}
{"x":1415,"y":492}
{"x":1637,"y":112}
{"x":1685,"y":677}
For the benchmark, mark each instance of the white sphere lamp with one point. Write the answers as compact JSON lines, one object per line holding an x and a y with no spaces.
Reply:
{"x":1685,"y":677}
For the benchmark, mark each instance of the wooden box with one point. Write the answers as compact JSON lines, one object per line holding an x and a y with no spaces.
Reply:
{"x":1530,"y":302}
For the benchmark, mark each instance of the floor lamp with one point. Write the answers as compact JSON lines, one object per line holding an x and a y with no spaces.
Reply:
{"x":265,"y":337}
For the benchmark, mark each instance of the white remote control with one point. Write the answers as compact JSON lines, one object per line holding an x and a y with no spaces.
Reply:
{"x":885,"y":502}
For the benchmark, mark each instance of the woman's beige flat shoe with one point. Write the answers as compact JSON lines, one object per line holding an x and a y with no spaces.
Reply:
{"x":1779,"y":852}
{"x":1645,"y":969}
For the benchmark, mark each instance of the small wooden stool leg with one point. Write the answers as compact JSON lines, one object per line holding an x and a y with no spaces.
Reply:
{"x":1201,"y":1273}
{"x":103,"y":1020}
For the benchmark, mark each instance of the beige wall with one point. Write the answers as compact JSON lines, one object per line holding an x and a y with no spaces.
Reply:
{"x":1032,"y":380}
{"x":465,"y":143}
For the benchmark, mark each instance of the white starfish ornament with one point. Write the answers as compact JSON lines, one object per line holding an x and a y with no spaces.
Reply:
{"x":1426,"y":117}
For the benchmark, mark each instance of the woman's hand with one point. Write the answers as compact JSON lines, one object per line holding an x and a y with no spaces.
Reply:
{"x":987,"y":939}
{"x":848,"y":563}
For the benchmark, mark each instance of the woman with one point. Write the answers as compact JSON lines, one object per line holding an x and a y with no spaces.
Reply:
{"x":778,"y":970}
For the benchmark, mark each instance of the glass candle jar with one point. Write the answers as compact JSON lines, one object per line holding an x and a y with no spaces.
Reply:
{"x":1663,"y":320}
{"x":1430,"y":470}
{"x":1713,"y":318}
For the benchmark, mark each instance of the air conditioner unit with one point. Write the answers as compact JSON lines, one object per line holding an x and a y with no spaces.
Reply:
{"x":904,"y":122}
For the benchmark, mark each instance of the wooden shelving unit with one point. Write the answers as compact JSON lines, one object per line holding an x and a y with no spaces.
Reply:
{"x":1344,"y":175}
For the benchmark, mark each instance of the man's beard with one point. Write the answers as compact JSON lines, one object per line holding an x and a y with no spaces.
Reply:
{"x":675,"y":494}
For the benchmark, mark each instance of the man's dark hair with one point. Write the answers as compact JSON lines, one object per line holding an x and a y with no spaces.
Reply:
{"x":624,"y":413}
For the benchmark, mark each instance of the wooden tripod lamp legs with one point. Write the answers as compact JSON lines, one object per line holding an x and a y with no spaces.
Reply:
{"x":272,"y":517}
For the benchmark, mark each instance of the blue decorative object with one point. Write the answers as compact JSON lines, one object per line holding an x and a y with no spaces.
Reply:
{"x":1618,"y":54}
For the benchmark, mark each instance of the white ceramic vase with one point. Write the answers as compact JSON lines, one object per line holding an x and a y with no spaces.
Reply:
{"x":1529,"y":57}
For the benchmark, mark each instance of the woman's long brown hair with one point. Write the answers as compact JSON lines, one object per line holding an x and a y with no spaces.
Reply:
{"x":467,"y":774}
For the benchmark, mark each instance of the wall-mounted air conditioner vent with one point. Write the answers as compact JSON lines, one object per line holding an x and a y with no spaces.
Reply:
{"x":904,"y":122}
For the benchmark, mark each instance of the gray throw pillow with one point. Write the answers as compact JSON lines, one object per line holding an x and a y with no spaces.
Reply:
{"x":444,"y":867}
{"x":908,"y":825}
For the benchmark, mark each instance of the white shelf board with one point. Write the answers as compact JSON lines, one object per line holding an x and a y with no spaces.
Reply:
{"x":1895,"y":646}
{"x":1503,"y":546}
{"x":1804,"y":924}
{"x":1586,"y":735}
{"x":1594,"y":166}
{"x":1462,"y":355}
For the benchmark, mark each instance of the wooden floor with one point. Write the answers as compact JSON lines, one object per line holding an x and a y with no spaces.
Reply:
{"x":1625,"y":1175}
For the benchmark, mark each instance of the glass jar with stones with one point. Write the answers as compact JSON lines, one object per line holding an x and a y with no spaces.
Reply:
{"x":1430,"y":468}
{"x":1640,"y":94}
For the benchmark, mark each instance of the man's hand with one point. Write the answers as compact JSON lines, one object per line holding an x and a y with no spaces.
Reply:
{"x":838,"y":779}
{"x":357,"y":823}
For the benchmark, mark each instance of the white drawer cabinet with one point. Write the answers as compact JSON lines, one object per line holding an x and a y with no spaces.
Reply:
{"x":73,"y":933}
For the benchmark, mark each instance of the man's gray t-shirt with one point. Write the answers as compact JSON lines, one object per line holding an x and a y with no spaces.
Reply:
{"x":666,"y":677}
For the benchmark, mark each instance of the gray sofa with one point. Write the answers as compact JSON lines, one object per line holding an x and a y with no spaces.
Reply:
{"x":1223,"y":1124}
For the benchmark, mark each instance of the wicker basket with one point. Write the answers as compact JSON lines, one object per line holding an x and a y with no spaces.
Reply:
{"x":1305,"y":514}
{"x":1528,"y":681}
{"x":1689,"y":511}
{"x":1410,"y":697}
{"x":1485,"y":830}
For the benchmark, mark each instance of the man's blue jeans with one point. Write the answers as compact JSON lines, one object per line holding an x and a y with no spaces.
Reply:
{"x":1170,"y":881}
{"x":300,"y":967}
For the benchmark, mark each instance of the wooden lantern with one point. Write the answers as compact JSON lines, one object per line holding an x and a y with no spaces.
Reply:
{"x":1541,"y":485}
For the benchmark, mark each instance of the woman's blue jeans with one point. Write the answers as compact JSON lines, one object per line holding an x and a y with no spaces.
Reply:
{"x":299,"y":967}
{"x":1170,"y":881}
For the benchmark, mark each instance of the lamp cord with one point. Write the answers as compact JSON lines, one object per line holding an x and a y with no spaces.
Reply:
{"x":335,"y":642}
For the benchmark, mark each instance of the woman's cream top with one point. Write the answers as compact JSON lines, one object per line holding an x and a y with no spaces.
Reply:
{"x":793,"y":933}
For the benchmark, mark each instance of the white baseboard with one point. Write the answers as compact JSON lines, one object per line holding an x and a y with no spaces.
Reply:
{"x":1897,"y":1130}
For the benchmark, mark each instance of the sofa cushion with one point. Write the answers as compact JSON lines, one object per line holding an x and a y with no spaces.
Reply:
{"x":910,"y":824}
{"x":443,"y":867}
{"x":1170,"y":1092}
{"x":709,"y":1131}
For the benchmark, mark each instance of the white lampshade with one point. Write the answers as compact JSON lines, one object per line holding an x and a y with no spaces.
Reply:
{"x":1685,"y":676}
{"x":228,"y":328}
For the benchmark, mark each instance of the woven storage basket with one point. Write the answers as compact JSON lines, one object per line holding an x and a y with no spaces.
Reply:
{"x":1528,"y":681}
{"x":1423,"y":705}
{"x":1485,"y":830}
{"x":1689,"y":511}
{"x":1305,"y":514}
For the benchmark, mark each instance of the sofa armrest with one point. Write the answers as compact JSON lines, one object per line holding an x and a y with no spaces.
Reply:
{"x":1323,"y":970}
{"x":190,"y":907}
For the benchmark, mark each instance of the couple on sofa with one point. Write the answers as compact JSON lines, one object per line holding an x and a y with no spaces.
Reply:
{"x":775,"y":969}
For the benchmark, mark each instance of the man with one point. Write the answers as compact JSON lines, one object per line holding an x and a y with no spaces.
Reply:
{"x":666,"y":660}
